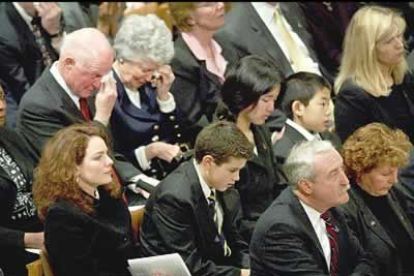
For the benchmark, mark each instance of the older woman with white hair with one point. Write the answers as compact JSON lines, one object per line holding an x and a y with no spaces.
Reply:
{"x":144,"y":122}
{"x":374,"y":84}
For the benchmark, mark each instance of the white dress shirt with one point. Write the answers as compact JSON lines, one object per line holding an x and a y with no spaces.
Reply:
{"x":319,"y":226}
{"x":207,"y":191}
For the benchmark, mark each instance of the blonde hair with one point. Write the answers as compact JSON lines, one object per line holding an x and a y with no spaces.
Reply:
{"x":359,"y":63}
{"x":181,"y":12}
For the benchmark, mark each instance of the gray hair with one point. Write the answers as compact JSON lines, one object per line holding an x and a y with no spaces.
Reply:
{"x":84,"y":45}
{"x":142,"y":38}
{"x":300,"y":164}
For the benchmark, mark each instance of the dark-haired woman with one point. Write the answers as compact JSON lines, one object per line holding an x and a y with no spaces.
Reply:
{"x":248,"y":97}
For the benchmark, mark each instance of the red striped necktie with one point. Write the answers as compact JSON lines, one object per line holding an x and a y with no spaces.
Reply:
{"x":333,"y":231}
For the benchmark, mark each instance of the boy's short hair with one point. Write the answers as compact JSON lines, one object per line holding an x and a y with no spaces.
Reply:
{"x":301,"y":86}
{"x":222,"y":140}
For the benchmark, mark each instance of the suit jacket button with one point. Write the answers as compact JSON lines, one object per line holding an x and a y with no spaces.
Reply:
{"x":176,"y":126}
{"x":156,"y":127}
{"x":153,"y":171}
{"x":178,"y":135}
{"x":172,"y":118}
{"x":155,"y":138}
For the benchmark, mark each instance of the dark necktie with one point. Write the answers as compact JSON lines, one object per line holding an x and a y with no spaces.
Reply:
{"x":213,"y":213}
{"x":84,"y":109}
{"x":40,"y":41}
{"x":333,"y":231}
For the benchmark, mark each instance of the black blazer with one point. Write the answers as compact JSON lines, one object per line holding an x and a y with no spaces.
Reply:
{"x":177,"y":219}
{"x":285,"y":243}
{"x":195,"y":89}
{"x":245,"y":33}
{"x":260,"y":182}
{"x":45,"y":109}
{"x":355,"y":108}
{"x":20,"y":57}
{"x":291,"y":137}
{"x":372,"y":235}
{"x":90,"y":245}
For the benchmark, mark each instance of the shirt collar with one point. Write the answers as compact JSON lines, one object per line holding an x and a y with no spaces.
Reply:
{"x":26,"y":17}
{"x":313,"y":215}
{"x":204,"y":186}
{"x":58,"y":77}
{"x":196,"y":47}
{"x":308,"y":136}
{"x":265,"y":10}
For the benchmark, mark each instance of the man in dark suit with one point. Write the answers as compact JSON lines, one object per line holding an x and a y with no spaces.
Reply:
{"x":65,"y":94}
{"x":21,"y":59}
{"x":302,"y":232}
{"x":19,"y":224}
{"x":250,"y":30}
{"x":304,"y":99}
{"x":195,"y":211}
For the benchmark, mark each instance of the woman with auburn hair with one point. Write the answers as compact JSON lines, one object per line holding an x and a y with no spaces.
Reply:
{"x":87,"y":224}
{"x":199,"y":63}
{"x":377,"y":208}
{"x":373,"y":84}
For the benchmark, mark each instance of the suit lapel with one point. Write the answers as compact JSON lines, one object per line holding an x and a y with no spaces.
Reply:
{"x":293,"y":134}
{"x":306,"y":224}
{"x":372,"y":222}
{"x":128,"y":107}
{"x":264,"y":40}
{"x":59,"y":97}
{"x":205,"y":221}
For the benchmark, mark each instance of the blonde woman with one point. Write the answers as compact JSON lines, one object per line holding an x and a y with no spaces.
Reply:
{"x":199,"y":63}
{"x":373,"y":84}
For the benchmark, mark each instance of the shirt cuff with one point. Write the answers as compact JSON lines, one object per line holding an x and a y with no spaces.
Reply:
{"x":168,"y":105}
{"x":141,"y":157}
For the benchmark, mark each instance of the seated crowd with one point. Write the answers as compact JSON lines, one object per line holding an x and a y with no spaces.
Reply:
{"x":250,"y":151}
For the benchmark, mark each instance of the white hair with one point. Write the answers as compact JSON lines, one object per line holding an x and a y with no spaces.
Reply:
{"x":144,"y":38}
{"x":300,"y":164}
{"x":85,"y":45}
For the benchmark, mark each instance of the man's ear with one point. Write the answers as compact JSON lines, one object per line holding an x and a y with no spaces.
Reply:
{"x":207,"y":161}
{"x":305,"y":186}
{"x":298,"y":108}
{"x":69,"y":63}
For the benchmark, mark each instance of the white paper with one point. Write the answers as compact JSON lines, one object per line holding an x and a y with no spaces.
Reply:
{"x":163,"y":265}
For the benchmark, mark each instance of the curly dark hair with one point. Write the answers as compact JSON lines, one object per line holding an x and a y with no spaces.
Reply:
{"x":372,"y":145}
{"x":55,"y":176}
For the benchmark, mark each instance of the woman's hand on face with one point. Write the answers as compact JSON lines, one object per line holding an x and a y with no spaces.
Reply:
{"x":164,"y":81}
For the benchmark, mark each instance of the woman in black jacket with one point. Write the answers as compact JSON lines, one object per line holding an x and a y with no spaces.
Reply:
{"x":377,"y":208}
{"x":248,"y":98}
{"x":87,"y":224}
{"x":374,"y":84}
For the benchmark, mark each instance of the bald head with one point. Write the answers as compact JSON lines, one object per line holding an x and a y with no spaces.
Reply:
{"x":85,"y":57}
{"x":85,"y":45}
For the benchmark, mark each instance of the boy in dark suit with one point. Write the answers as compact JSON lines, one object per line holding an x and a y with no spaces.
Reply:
{"x":305,"y":99}
{"x":195,"y":211}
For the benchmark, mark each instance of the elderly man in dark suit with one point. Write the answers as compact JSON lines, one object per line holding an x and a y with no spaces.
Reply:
{"x":195,"y":211}
{"x":302,"y":232}
{"x":73,"y":90}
